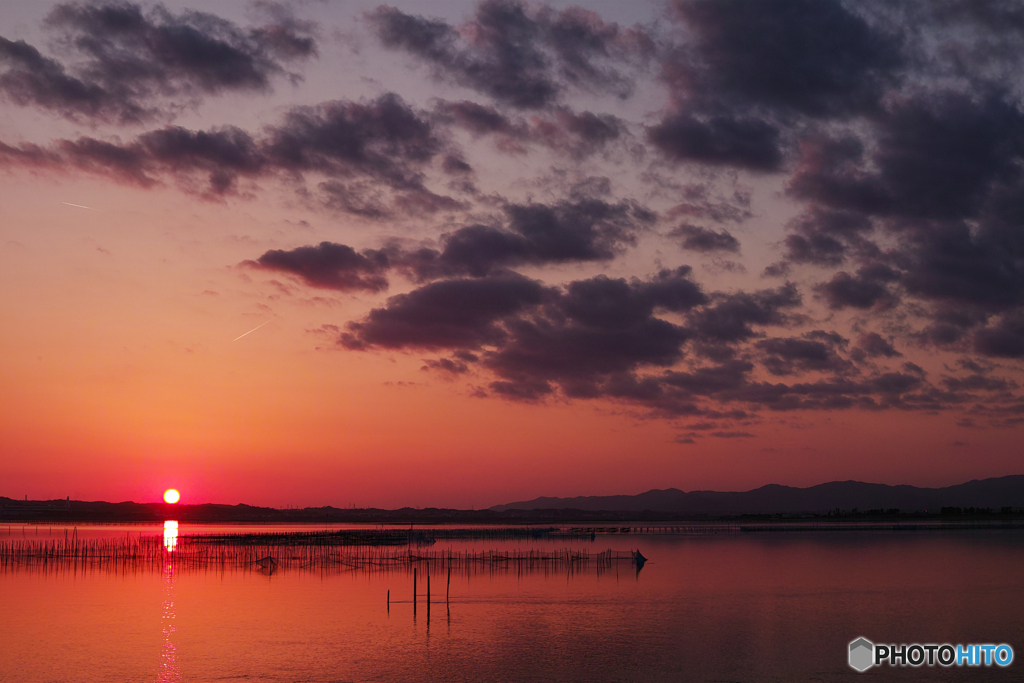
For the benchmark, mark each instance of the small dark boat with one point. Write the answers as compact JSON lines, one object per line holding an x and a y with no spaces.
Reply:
{"x":639,"y":560}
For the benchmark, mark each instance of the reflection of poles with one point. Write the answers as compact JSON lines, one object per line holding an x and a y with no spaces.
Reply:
{"x":414,"y":592}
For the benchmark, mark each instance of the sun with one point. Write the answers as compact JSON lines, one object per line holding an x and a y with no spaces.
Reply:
{"x":171,"y":495}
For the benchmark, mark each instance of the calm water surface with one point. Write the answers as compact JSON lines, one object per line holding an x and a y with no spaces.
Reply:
{"x":729,"y":607}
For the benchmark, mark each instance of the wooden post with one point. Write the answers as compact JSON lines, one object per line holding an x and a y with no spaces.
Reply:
{"x":448,"y":589}
{"x":389,"y":601}
{"x":414,"y":590}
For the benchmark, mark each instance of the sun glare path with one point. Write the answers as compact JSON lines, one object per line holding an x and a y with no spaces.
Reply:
{"x":170,"y":535}
{"x":171,"y":496}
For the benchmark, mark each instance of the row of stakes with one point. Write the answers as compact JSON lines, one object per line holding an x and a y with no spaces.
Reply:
{"x":415,"y":593}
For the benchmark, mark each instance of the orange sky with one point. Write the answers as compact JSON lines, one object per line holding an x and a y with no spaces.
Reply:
{"x":123,"y":372}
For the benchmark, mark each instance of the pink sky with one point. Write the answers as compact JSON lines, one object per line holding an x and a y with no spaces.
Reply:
{"x":499,"y":250}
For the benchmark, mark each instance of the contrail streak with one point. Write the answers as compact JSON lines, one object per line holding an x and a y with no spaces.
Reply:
{"x":251,"y":331}
{"x":78,"y":206}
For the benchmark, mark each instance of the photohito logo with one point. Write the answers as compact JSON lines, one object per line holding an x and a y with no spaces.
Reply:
{"x":864,"y":654}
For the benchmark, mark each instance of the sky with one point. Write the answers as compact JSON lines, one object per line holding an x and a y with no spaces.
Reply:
{"x":458,"y":254}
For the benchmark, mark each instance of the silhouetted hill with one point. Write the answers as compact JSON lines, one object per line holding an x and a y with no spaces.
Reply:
{"x":655,"y":505}
{"x":774,"y":499}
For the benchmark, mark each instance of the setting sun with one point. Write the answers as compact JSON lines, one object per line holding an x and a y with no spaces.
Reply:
{"x":171,"y":496}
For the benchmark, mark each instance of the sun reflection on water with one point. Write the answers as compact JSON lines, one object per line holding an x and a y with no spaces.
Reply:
{"x":169,"y":671}
{"x":170,"y":535}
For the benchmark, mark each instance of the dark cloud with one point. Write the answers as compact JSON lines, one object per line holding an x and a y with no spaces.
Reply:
{"x":331,"y":266}
{"x":825,"y":237}
{"x":870,"y":287}
{"x":32,"y":156}
{"x":370,"y":157}
{"x":937,"y":157}
{"x":791,"y":355}
{"x":449,"y":314}
{"x":605,"y":338}
{"x":1003,"y":339}
{"x":29,"y":78}
{"x":815,"y":57}
{"x":594,"y":187}
{"x":453,"y":165}
{"x":374,"y":153}
{"x":699,"y":204}
{"x":748,"y":142}
{"x":576,"y":134}
{"x":950,"y":325}
{"x":447,"y":366}
{"x":712,"y":380}
{"x":816,"y":248}
{"x":705,"y":240}
{"x":978,"y":382}
{"x":384,"y":138}
{"x":220,"y":156}
{"x":873,"y":345}
{"x":131,"y":60}
{"x":541,"y":350}
{"x":961,"y":265}
{"x":731,"y":383}
{"x":126,"y":163}
{"x":528,"y":391}
{"x":506,"y":63}
{"x":730,"y":316}
{"x":581,"y":339}
{"x":478,"y":119}
{"x":518,"y":56}
{"x":904,"y":132}
{"x":590,"y":50}
{"x":223,"y":155}
{"x":593,"y":339}
{"x":597,"y":329}
{"x":583,"y":230}
{"x":941,"y":183}
{"x":742,"y":72}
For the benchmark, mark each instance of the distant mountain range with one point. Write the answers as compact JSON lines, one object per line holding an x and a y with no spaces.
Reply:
{"x":993,"y":493}
{"x":657,"y":505}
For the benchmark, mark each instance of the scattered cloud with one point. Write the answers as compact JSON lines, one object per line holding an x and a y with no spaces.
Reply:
{"x":133,"y":62}
{"x":705,"y":240}
{"x":892,"y":133}
{"x":367,"y":158}
{"x":521,"y":56}
{"x":331,"y":266}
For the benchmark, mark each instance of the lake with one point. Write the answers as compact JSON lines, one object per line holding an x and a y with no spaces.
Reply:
{"x":777,"y":606}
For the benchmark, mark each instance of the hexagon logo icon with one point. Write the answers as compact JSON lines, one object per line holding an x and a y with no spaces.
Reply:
{"x":862,"y":654}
